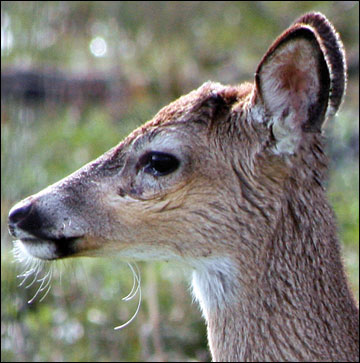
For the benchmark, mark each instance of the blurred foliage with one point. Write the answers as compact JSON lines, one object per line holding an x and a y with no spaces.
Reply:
{"x":160,"y":50}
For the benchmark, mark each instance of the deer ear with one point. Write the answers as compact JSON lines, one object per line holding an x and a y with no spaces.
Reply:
{"x":300,"y":81}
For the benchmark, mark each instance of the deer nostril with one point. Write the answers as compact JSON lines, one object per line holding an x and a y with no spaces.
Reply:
{"x":19,"y":213}
{"x":25,"y":217}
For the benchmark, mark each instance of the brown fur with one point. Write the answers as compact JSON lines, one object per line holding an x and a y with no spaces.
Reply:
{"x":245,"y":207}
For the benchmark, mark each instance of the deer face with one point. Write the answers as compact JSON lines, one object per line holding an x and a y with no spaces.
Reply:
{"x":146,"y":197}
{"x":212,"y":166}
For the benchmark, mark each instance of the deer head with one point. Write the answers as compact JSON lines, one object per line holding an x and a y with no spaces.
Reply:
{"x":228,"y":180}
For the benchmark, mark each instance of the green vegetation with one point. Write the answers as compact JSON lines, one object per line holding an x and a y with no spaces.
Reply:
{"x":156,"y":51}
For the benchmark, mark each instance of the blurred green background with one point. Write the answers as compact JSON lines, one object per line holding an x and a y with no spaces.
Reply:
{"x":79,"y":76}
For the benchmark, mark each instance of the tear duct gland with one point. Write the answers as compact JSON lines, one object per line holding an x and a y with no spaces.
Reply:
{"x":229,"y":181}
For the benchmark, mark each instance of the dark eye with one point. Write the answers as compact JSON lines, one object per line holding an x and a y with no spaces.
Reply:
{"x":158,"y":163}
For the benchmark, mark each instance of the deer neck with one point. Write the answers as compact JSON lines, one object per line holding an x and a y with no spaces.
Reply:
{"x":294,"y":304}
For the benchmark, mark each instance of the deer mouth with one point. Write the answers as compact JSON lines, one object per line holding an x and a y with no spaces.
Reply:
{"x":38,"y":235}
{"x":49,"y":249}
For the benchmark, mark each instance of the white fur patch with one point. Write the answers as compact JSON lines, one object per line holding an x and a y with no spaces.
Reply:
{"x":44,"y":250}
{"x":214,"y":283}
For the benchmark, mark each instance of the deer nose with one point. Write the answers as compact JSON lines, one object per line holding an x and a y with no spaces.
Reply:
{"x":20,"y":216}
{"x":19,"y":212}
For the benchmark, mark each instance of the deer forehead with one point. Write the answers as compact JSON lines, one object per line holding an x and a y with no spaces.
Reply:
{"x":197,"y":107}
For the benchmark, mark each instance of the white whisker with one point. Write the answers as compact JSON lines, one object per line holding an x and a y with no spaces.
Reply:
{"x":48,"y":284}
{"x":25,"y":275}
{"x":42,"y":272}
{"x":137,"y":278}
{"x":43,"y":281}
{"x":35,"y":269}
{"x":133,"y":291}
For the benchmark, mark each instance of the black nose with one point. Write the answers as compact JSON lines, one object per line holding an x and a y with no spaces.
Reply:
{"x":25,"y":217}
{"x":17,"y":214}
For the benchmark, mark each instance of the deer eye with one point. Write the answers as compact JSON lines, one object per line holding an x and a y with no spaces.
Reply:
{"x":158,"y":163}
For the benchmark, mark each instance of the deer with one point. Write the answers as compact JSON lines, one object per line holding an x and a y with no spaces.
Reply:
{"x":229,"y":181}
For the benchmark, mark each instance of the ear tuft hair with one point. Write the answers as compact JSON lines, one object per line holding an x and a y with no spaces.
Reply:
{"x":334,"y":54}
{"x":300,"y":81}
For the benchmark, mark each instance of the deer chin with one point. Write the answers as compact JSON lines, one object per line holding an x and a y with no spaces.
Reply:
{"x":48,"y":250}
